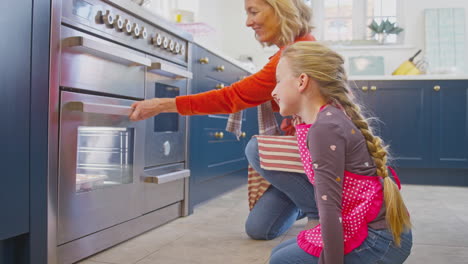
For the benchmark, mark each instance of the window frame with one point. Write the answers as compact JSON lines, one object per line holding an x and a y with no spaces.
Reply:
{"x":359,"y":18}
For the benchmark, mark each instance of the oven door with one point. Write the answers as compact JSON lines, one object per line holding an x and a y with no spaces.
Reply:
{"x":100,"y":160}
{"x":166,"y":132}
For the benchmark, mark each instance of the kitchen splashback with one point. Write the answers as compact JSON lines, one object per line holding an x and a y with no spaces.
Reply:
{"x":445,"y":40}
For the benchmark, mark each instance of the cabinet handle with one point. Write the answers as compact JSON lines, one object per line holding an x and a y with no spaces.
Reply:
{"x":373,"y":88}
{"x":219,"y":86}
{"x":204,"y":60}
{"x":219,"y":135}
{"x":365,"y":88}
{"x":220,"y":68}
{"x":437,"y":88}
{"x":243,"y":135}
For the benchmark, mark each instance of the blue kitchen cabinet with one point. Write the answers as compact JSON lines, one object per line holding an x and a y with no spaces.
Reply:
{"x":450,"y":123}
{"x":402,"y":118}
{"x":215,"y":151}
{"x":15,"y":96}
{"x":217,"y":159}
{"x":423,"y":121}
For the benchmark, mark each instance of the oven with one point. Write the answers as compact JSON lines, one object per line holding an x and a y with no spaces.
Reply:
{"x":101,"y":151}
{"x":111,"y":179}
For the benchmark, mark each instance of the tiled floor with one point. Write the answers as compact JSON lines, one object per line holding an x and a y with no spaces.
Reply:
{"x":214,"y":234}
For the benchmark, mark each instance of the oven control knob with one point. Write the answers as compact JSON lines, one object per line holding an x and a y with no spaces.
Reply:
{"x":157,"y":40}
{"x":108,"y":19}
{"x":119,"y":23}
{"x":128,"y":27}
{"x":182,"y":49}
{"x":165,"y":42}
{"x":167,"y":148}
{"x":144,"y":33}
{"x":136,"y":30}
{"x":171,"y":45}
{"x":177,"y":48}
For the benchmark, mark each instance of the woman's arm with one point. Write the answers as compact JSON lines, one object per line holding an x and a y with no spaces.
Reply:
{"x":251,"y":91}
{"x":327,"y":150}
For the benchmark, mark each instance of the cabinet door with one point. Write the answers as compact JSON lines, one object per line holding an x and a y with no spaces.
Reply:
{"x":15,"y":51}
{"x":222,"y":152}
{"x":214,"y":151}
{"x":450,"y":124}
{"x":403,"y":109}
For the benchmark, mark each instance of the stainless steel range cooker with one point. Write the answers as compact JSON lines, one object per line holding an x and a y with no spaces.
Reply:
{"x":109,"y":178}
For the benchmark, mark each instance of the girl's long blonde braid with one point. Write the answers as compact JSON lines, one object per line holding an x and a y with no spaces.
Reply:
{"x":326,"y":67}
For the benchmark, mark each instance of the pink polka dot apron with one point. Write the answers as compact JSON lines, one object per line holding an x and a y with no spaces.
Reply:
{"x":361,"y":203}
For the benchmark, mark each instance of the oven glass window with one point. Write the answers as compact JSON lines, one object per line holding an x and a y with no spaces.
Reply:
{"x":104,"y":157}
{"x":166,"y":122}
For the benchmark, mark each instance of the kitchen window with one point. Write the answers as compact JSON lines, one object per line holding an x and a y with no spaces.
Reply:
{"x":346,"y":21}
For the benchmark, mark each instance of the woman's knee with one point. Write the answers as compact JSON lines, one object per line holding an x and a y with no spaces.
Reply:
{"x":257,"y":232}
{"x":251,"y":150}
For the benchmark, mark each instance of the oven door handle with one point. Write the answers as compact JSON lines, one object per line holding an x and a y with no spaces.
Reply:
{"x":169,"y":71}
{"x":86,"y":107}
{"x":165,"y":178}
{"x":86,"y":45}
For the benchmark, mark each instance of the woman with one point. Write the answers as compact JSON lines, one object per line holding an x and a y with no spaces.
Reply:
{"x":279,"y":23}
{"x":363,"y":218}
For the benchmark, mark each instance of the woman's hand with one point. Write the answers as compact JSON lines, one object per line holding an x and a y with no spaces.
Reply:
{"x":151,"y":107}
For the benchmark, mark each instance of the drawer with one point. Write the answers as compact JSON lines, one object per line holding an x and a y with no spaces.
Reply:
{"x":212,"y":66}
{"x":160,"y":195}
{"x":204,"y":84}
{"x":221,"y":155}
{"x":157,"y":194}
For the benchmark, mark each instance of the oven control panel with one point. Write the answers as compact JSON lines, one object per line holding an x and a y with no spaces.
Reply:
{"x":137,"y":31}
{"x":122,"y":26}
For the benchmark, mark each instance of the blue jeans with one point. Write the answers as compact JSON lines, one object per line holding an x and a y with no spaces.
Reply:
{"x":377,"y":248}
{"x":290,"y":196}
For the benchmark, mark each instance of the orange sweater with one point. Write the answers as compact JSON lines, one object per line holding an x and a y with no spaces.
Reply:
{"x":249,"y":92}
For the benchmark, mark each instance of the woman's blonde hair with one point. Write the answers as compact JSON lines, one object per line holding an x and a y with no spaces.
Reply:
{"x":326,"y":67}
{"x":294,"y":20}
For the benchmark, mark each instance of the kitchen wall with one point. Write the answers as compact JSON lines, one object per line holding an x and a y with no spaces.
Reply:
{"x":232,"y":37}
{"x":168,"y":8}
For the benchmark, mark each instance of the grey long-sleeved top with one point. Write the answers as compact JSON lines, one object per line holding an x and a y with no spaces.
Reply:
{"x":336,"y":145}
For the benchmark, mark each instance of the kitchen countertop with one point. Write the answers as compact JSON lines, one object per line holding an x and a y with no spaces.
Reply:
{"x":408,"y":77}
{"x":352,"y":77}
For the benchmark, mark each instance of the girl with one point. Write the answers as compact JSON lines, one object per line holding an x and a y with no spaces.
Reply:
{"x":362,"y":215}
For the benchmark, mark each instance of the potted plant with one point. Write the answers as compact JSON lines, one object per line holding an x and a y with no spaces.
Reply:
{"x":383,"y":29}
